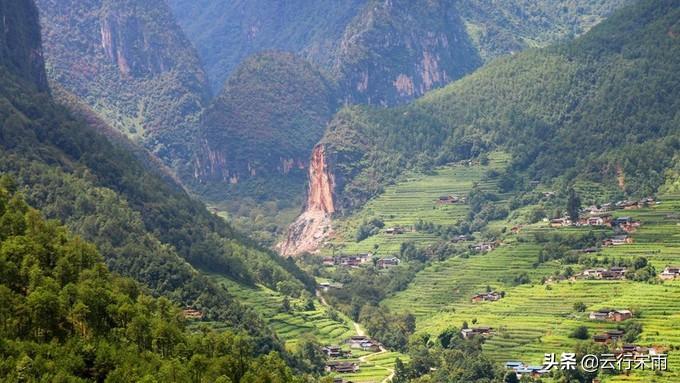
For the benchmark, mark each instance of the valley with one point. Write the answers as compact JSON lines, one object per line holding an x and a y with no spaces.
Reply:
{"x":366,"y":191}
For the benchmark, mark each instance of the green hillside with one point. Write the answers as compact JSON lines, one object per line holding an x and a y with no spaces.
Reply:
{"x":65,"y":317}
{"x":600,"y":108}
{"x":131,"y":64}
{"x":144,"y":225}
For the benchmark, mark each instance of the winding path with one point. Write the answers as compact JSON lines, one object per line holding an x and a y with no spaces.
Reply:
{"x":360,"y":332}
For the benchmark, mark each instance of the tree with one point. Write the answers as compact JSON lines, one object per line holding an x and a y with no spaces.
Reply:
{"x":580,"y":332}
{"x":573,"y":205}
{"x":580,"y":307}
{"x":511,"y":377}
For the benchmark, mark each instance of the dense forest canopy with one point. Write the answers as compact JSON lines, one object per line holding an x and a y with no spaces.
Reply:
{"x":65,"y":317}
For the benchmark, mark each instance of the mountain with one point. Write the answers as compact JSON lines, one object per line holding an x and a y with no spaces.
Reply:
{"x":381,"y":51}
{"x":394,"y":51}
{"x":130,"y":63}
{"x":143,"y":224}
{"x":225,"y":33}
{"x":599,"y":108}
{"x":272,"y":110}
{"x":65,"y":316}
{"x":20,"y":45}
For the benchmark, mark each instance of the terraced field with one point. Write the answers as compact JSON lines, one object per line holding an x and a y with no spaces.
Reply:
{"x":291,"y":326}
{"x":534,"y":319}
{"x":406,"y":202}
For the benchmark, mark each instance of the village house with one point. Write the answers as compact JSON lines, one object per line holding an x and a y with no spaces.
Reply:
{"x":327,"y":286}
{"x":328,"y":261}
{"x":448,"y":200}
{"x":492,"y":296}
{"x":618,"y":241}
{"x":609,"y":336}
{"x":627,"y":205}
{"x":560,"y":222}
{"x":385,"y":263}
{"x":601,"y":338}
{"x":461,"y":238}
{"x":483,"y":247}
{"x":599,"y":315}
{"x":613,"y":273}
{"x":341,"y":367}
{"x":348,"y":260}
{"x":626,"y":224}
{"x":364,"y":343}
{"x":611,"y":315}
{"x":598,"y":220}
{"x":632,"y":349}
{"x":484,"y":331}
{"x":193,"y":314}
{"x":336,"y":352}
{"x":522,"y":369}
{"x":670,"y":272}
{"x":394,"y":230}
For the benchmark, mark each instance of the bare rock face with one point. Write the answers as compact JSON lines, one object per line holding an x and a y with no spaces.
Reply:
{"x":314,"y":225}
{"x":20,"y":42}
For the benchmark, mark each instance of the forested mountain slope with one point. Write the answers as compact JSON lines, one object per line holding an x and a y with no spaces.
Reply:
{"x":272,"y":110}
{"x":131,"y":63}
{"x":65,"y":317}
{"x":602,"y":108}
{"x":145,"y":226}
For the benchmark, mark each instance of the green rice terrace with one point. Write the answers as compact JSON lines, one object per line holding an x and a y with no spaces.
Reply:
{"x":327,"y":326}
{"x":532,"y":318}
{"x":415,"y":198}
{"x":535,"y":318}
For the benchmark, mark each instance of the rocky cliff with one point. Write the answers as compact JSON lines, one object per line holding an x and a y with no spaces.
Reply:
{"x":130,"y":62}
{"x":313,"y":226}
{"x":396,"y":50}
{"x":20,"y":42}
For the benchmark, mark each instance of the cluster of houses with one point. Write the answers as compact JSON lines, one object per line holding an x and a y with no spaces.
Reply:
{"x":670,"y":272}
{"x":522,"y":370}
{"x":363,"y":343}
{"x":354,"y":261}
{"x":612,"y":273}
{"x":449,"y":200}
{"x":484,"y":297}
{"x":347,"y":260}
{"x":484,"y":331}
{"x":626,"y":224}
{"x":633,"y":349}
{"x":611,"y":315}
{"x":192,"y":314}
